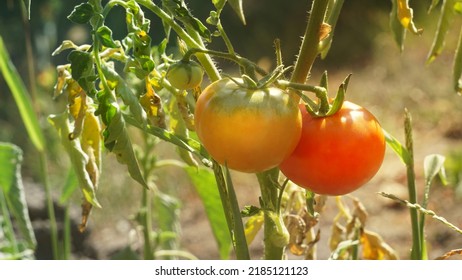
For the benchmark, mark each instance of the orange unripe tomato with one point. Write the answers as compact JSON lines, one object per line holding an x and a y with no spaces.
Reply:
{"x":249,"y":130}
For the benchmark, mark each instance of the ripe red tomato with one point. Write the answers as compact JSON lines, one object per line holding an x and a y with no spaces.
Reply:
{"x":250,"y":130}
{"x":336,"y":154}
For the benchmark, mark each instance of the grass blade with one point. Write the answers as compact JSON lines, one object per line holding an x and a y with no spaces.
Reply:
{"x":457,"y":66}
{"x":21,"y":97}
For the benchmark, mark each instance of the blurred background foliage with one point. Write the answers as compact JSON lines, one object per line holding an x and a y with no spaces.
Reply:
{"x":359,"y":22}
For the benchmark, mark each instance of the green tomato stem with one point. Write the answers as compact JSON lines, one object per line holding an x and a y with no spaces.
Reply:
{"x":193,"y":40}
{"x":232,"y":212}
{"x":320,"y":92}
{"x":111,"y":4}
{"x":309,"y":49}
{"x":225,"y":38}
{"x":246,"y":64}
{"x":416,"y":252}
{"x":275,"y":233}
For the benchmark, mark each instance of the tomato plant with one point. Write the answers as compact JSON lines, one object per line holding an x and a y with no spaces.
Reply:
{"x":336,"y":154}
{"x":249,"y":130}
{"x":185,"y":75}
{"x":116,"y":84}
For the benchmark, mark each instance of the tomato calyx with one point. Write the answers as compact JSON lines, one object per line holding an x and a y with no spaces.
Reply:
{"x":321,"y":107}
{"x":269,"y":80}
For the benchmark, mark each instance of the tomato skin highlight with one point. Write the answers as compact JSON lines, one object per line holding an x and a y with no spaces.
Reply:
{"x":248,"y":130}
{"x":337,"y":154}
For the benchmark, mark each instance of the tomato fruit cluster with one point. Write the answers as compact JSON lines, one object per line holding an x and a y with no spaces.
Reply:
{"x":336,"y":154}
{"x":249,"y":130}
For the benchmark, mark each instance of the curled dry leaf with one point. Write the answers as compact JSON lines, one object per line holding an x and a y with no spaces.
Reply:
{"x":375,"y":248}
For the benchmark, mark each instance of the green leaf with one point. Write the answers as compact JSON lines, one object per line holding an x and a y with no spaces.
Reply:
{"x":77,"y":156}
{"x":116,"y":137}
{"x":188,"y":144}
{"x":219,"y":4}
{"x":69,"y":187}
{"x":444,"y":22}
{"x":178,"y":9}
{"x":242,"y":250}
{"x":82,"y":13}
{"x":433,"y":164}
{"x":339,"y":98}
{"x":123,"y":90}
{"x":458,"y":7}
{"x":27,"y":4}
{"x":167,"y":210}
{"x":22,"y":98}
{"x":310,"y":202}
{"x":457,"y":66}
{"x":83,"y":70}
{"x":397,"y":147}
{"x":250,"y":210}
{"x":12,"y":188}
{"x":398,"y":30}
{"x":104,"y":34}
{"x":433,"y":5}
{"x":206,"y":186}
{"x":237,"y":7}
{"x":65,"y":45}
{"x":135,"y":18}
{"x":118,"y":142}
{"x":178,"y":125}
{"x":342,"y":248}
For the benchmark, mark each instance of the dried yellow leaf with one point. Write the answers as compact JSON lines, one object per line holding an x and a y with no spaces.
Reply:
{"x":405,"y":16}
{"x":375,"y":248}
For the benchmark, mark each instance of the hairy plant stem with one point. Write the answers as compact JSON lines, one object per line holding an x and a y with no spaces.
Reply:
{"x":146,"y":223}
{"x":192,"y":41}
{"x":309,"y":49}
{"x":232,"y":211}
{"x":416,"y":252}
{"x":242,"y":61}
{"x":275,"y":234}
{"x":225,"y":37}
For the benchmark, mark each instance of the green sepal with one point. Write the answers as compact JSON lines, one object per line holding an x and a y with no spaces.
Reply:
{"x":339,"y":98}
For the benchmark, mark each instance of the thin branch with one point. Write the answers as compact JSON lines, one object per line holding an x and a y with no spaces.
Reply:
{"x":421,"y":210}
